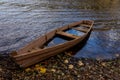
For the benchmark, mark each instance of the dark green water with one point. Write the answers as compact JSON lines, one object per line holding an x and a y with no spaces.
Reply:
{"x":21,"y":21}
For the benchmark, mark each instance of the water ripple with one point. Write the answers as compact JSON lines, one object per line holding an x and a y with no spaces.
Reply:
{"x":21,"y":21}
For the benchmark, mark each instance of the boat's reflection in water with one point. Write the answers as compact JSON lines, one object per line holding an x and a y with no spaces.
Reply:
{"x":99,"y":47}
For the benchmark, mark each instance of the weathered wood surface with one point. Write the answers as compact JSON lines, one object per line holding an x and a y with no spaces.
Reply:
{"x":35,"y":52}
{"x":80,"y":29}
{"x":67,"y":35}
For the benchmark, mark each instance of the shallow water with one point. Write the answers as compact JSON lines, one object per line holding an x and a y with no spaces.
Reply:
{"x":21,"y":21}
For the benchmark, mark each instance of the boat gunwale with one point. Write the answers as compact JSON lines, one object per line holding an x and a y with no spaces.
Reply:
{"x":47,"y":48}
{"x":19,"y":57}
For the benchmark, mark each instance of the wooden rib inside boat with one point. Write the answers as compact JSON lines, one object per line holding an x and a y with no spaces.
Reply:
{"x":52,"y":43}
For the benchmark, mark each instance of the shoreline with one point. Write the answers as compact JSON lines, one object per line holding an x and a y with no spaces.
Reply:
{"x":60,"y":67}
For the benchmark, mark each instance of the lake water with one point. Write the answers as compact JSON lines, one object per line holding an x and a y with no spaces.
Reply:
{"x":21,"y":21}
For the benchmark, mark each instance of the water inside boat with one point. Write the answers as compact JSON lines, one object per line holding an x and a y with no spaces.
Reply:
{"x":75,"y":32}
{"x":62,"y":39}
{"x":55,"y":41}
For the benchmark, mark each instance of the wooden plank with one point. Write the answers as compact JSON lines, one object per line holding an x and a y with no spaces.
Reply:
{"x":85,"y":25}
{"x":27,"y":62}
{"x":80,"y":29}
{"x":67,"y":35}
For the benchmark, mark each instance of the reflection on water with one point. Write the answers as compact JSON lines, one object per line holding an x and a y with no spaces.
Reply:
{"x":21,"y":21}
{"x":101,"y":46}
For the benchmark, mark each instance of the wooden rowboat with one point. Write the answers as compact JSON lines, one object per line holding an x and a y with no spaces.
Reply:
{"x":45,"y":46}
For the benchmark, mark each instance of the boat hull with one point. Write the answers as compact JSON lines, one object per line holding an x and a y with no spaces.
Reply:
{"x":25,"y":59}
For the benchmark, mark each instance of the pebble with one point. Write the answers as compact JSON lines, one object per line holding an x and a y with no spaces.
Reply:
{"x":103,"y":64}
{"x":70,"y":66}
{"x":37,"y":65}
{"x":66,"y":61}
{"x":28,"y":69}
{"x":53,"y":70}
{"x":0,"y":69}
{"x":80,"y":63}
{"x":62,"y":74}
{"x":78,"y":76}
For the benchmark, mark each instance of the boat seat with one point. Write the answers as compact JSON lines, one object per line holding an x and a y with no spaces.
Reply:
{"x":85,"y":25}
{"x":80,"y":29}
{"x":67,"y":35}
